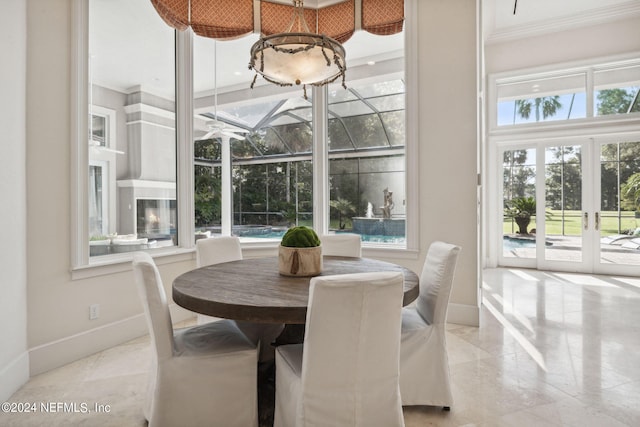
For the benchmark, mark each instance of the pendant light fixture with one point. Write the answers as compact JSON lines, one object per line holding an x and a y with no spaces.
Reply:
{"x":298,"y":58}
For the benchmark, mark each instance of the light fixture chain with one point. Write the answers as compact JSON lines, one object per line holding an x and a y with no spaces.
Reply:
{"x":298,"y":15}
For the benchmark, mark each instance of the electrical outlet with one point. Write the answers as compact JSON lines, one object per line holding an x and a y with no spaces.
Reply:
{"x":94,"y":311}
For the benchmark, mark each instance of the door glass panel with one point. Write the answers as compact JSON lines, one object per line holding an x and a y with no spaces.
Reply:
{"x":563,"y":203}
{"x":620,"y":203}
{"x":519,"y":190}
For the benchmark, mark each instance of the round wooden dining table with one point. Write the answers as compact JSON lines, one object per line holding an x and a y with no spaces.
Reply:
{"x":253,"y":290}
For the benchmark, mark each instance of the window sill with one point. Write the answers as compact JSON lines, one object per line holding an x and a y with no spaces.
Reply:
{"x":112,"y":264}
{"x":119,"y":263}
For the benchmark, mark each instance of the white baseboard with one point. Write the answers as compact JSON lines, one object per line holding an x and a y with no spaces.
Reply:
{"x":69,"y":349}
{"x":13,"y":376}
{"x":462,"y":314}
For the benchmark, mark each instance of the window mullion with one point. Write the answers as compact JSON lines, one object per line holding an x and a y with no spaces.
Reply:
{"x":590,"y":93}
{"x":184,"y":138}
{"x":320,"y":160}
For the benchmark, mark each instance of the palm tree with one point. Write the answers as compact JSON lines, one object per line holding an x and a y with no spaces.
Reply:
{"x":344,"y":207}
{"x":630,"y":192}
{"x":548,"y":104}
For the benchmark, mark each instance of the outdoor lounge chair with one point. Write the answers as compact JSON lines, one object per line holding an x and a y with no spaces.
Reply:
{"x":633,"y":243}
{"x":616,"y":239}
{"x":620,"y":239}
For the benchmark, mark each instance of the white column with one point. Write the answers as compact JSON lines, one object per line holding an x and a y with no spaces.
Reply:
{"x":227,"y":220}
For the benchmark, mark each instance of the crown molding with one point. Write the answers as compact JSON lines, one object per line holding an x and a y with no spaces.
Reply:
{"x":588,"y":18}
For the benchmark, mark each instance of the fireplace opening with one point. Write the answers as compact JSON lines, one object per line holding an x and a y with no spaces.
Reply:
{"x":156,"y":219}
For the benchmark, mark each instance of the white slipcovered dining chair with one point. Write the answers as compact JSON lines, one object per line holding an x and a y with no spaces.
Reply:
{"x":345,"y":374}
{"x":216,"y":250}
{"x":204,"y":375}
{"x":341,"y":244}
{"x":424,"y":363}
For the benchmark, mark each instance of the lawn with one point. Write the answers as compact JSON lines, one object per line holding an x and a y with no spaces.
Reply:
{"x":573,"y":223}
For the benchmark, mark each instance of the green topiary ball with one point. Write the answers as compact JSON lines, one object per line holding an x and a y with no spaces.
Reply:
{"x":300,"y":237}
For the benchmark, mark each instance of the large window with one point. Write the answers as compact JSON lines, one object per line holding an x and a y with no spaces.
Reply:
{"x":270,"y":137}
{"x":131,"y":151}
{"x":366,"y":159}
{"x":255,"y":152}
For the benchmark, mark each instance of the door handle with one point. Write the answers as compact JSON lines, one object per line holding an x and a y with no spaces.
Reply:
{"x":586,"y":220}
{"x":597,"y":222}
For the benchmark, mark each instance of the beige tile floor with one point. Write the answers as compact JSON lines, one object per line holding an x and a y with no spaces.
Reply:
{"x":553,"y":349}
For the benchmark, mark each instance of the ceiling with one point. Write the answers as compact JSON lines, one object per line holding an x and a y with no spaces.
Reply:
{"x":535,"y":16}
{"x":144,"y":43}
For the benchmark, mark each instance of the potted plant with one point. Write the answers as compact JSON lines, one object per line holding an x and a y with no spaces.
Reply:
{"x":300,"y":253}
{"x":521,"y":209}
{"x":630,"y":194}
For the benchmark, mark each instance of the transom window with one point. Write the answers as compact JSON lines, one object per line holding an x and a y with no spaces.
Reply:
{"x":611,"y":89}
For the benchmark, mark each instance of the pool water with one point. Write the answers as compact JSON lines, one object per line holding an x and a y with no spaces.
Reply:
{"x":372,"y":238}
{"x":511,"y":243}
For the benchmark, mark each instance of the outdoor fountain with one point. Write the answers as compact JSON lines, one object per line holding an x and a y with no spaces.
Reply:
{"x":381,"y":226}
{"x":369,"y":213}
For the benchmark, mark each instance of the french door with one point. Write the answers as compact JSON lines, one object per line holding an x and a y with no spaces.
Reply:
{"x":617,"y":220}
{"x":584,"y":205}
{"x":565,"y":214}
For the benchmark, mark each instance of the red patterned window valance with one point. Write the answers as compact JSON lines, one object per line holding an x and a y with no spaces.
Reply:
{"x":382,"y":17}
{"x":224,"y":19}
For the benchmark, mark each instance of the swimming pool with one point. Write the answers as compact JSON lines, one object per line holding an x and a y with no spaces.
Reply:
{"x":372,"y":238}
{"x":273,"y":233}
{"x":512,"y":243}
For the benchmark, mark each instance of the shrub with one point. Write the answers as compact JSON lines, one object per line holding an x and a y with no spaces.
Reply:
{"x":300,"y":237}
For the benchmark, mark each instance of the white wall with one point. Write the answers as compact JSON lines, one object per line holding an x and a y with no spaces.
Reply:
{"x":578,"y":44}
{"x":448,"y":141}
{"x":14,"y":359}
{"x":59,"y":327}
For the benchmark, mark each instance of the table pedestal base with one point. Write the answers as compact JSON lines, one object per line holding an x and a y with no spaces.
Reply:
{"x":266,"y":393}
{"x":291,"y":334}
